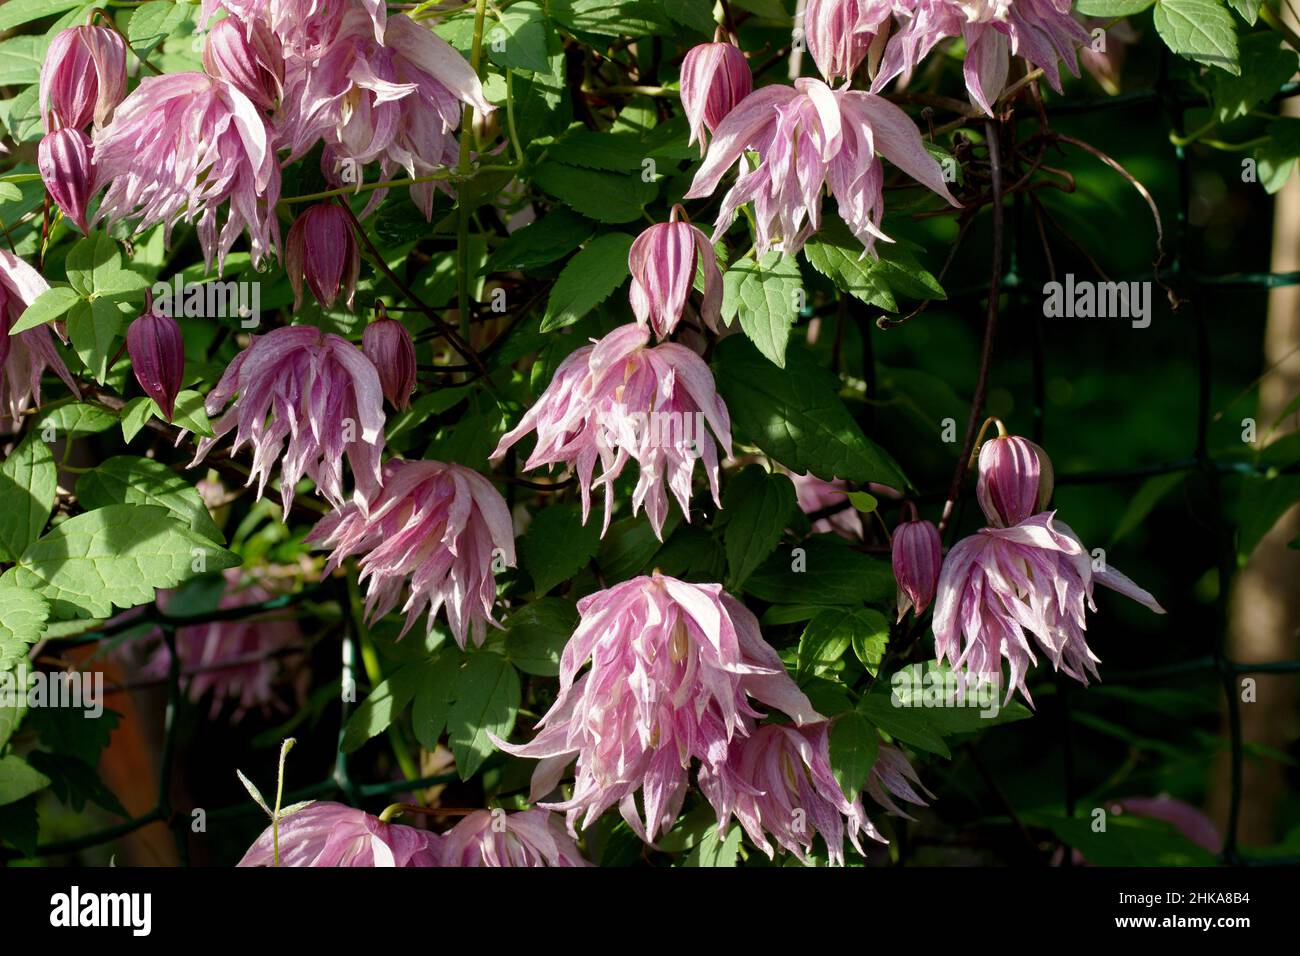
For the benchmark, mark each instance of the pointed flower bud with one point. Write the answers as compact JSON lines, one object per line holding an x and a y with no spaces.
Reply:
{"x":322,"y":249}
{"x":715,"y":77}
{"x":839,"y":33}
{"x":83,"y":77}
{"x":917,"y":557}
{"x":157,"y":352}
{"x":247,"y":55}
{"x":1015,"y":480}
{"x":64,"y":159}
{"x":387,"y":343}
{"x":663,"y":261}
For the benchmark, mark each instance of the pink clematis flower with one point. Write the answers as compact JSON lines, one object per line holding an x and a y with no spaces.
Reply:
{"x":664,"y":260}
{"x":248,"y":55}
{"x":83,"y":77}
{"x":892,"y":775}
{"x":1032,"y":577}
{"x":715,"y":77}
{"x":179,"y":147}
{"x":497,"y":838}
{"x":621,"y":399}
{"x":397,"y":101}
{"x":315,"y":389}
{"x":323,"y":833}
{"x":673,"y":668}
{"x":64,"y":159}
{"x":23,"y":357}
{"x":839,"y":33}
{"x":1041,"y":31}
{"x":432,"y":533}
{"x":808,"y":137}
{"x":778,"y":781}
{"x":239,"y":660}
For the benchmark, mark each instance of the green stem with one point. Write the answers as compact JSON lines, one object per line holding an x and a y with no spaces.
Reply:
{"x":462,"y":208}
{"x":279,"y":797}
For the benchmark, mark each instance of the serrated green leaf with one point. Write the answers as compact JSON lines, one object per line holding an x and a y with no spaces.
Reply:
{"x":854,"y":744}
{"x":92,"y":329}
{"x":127,"y":479}
{"x":48,"y":306}
{"x":557,"y":545}
{"x":546,"y":240}
{"x":1201,"y":30}
{"x":611,"y":18}
{"x":1111,"y":8}
{"x":433,"y":698}
{"x":22,"y":621}
{"x":757,"y":507}
{"x":909,"y":724}
{"x":114,"y":556}
{"x":487,"y":699}
{"x":520,"y":39}
{"x":876,"y":280}
{"x":91,"y":261}
{"x":153,"y":22}
{"x":603,"y":196}
{"x":537,"y":632}
{"x":18,"y":779}
{"x":823,"y":570}
{"x":833,"y":631}
{"x":1266,"y":65}
{"x":588,"y":279}
{"x":767,"y":295}
{"x":72,"y":420}
{"x":28,"y":487}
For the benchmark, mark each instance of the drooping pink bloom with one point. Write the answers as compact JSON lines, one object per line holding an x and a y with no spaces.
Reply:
{"x":179,"y":147}
{"x":83,"y":77}
{"x":432,"y":533}
{"x":839,"y":33}
{"x":1015,"y":480}
{"x":892,"y":775}
{"x":322,"y":249}
{"x":497,"y":838}
{"x":64,"y":159}
{"x":813,"y":494}
{"x":324,"y":833}
{"x":1041,"y":31}
{"x":388,"y":344}
{"x":673,"y":668}
{"x":811,"y":137}
{"x":778,"y":781}
{"x":246,"y":54}
{"x":664,"y":260}
{"x":917,"y":555}
{"x":621,"y":399}
{"x":239,"y":661}
{"x":23,"y":357}
{"x":715,"y":77}
{"x":1001,"y":586}
{"x":397,"y":101}
{"x":157,"y":351}
{"x":1185,"y":818}
{"x":315,"y":389}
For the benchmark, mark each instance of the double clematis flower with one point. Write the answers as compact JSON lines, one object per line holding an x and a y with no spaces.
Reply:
{"x":314,"y":389}
{"x":621,"y":399}
{"x":325,"y":834}
{"x":808,"y":138}
{"x":1026,"y":577}
{"x":673,"y":669}
{"x":497,"y":838}
{"x":432,"y":533}
{"x":178,"y":148}
{"x":23,"y":357}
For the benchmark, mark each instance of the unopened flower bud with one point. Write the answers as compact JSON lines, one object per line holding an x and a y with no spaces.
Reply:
{"x":64,"y":159}
{"x":388,"y":345}
{"x":322,"y":249}
{"x":157,"y":352}
{"x":917,"y":557}
{"x":83,"y":77}
{"x":1015,"y":480}
{"x":715,"y":77}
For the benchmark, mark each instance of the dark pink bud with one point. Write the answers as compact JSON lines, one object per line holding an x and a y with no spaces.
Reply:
{"x":322,"y":249}
{"x":64,"y":159}
{"x":157,"y":353}
{"x":246,"y":55}
{"x":1015,"y":480}
{"x":83,"y":77}
{"x":715,"y":77}
{"x":388,"y":345}
{"x":917,"y":557}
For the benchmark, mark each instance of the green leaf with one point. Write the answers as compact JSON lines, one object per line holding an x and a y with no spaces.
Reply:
{"x":1201,"y":30}
{"x":189,"y":412}
{"x":18,"y":779}
{"x":127,"y":480}
{"x":1248,"y":10}
{"x":588,"y":279}
{"x":716,"y":850}
{"x":797,"y":418}
{"x":382,"y":707}
{"x":630,"y":544}
{"x":73,"y":420}
{"x":911,"y":725}
{"x":756,"y":506}
{"x":611,"y":18}
{"x":544,"y":241}
{"x":520,"y":39}
{"x":767,"y":295}
{"x":854,"y":744}
{"x":152,"y":23}
{"x":870,"y":638}
{"x":536,"y":634}
{"x":876,"y":280}
{"x":135,"y":415}
{"x":17,"y":12}
{"x":92,"y":329}
{"x":603,"y":196}
{"x":1127,"y":840}
{"x":1111,"y":8}
{"x":48,"y":306}
{"x":557,"y":545}
{"x":20,"y":60}
{"x":92,"y":262}
{"x":1277,"y":157}
{"x":1141,"y":504}
{"x":28,"y":487}
{"x":862,"y":501}
{"x":834,"y":630}
{"x":690,"y":13}
{"x":823,"y":570}
{"x":620,"y":152}
{"x":114,"y":556}
{"x":487,"y":699}
{"x":1266,"y":65}
{"x":22,"y":621}
{"x":433,"y":699}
